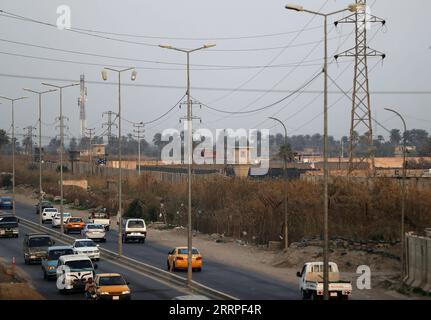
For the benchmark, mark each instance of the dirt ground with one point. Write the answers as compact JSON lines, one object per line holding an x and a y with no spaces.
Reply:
{"x":280,"y":264}
{"x":14,"y":284}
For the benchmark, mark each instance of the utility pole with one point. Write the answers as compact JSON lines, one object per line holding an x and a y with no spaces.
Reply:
{"x":139,"y":134}
{"x":286,"y":185}
{"x":90,"y":135}
{"x":40,"y":93}
{"x":120,"y":173}
{"x":61,"y":118}
{"x":13,"y":149}
{"x":403,"y":196}
{"x":351,"y":8}
{"x":190,"y":155}
{"x":361,"y":116}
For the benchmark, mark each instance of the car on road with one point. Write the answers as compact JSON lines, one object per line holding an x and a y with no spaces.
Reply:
{"x":112,"y":286}
{"x":48,"y":214}
{"x":35,"y":247}
{"x":134,"y":230}
{"x":94,"y":232}
{"x":9,"y":226}
{"x":49,"y":263}
{"x":6,"y":203}
{"x":45,"y":204}
{"x":73,"y":272}
{"x":86,"y":247}
{"x":74,"y":224}
{"x":56,"y":220}
{"x":311,"y":282}
{"x":100,"y":218}
{"x":191,"y":297}
{"x":177,"y":259}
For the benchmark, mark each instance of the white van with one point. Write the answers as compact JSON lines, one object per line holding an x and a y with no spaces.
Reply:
{"x":134,"y":230}
{"x":73,"y":271}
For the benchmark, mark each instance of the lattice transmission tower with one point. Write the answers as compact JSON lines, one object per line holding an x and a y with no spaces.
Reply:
{"x":361,"y":116}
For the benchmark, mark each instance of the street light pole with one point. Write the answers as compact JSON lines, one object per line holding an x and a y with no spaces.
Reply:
{"x":190,"y":156}
{"x":60,"y":88}
{"x":403,"y":191}
{"x":40,"y":93}
{"x":120,"y":173}
{"x":13,"y":149}
{"x":286,"y":185}
{"x":352,"y":8}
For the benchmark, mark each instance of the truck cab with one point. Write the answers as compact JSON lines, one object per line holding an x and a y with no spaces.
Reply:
{"x":311,"y":282}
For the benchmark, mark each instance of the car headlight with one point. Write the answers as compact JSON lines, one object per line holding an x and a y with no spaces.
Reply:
{"x":125,"y":292}
{"x":51,"y":267}
{"x":104,"y":293}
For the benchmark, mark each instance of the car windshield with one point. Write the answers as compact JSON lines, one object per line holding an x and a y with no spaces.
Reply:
{"x":8,"y":219}
{"x":136,"y":224}
{"x":50,"y":210}
{"x":39,"y":242}
{"x":185,"y":251}
{"x":85,"y":243}
{"x":94,"y":226}
{"x":57,"y":253}
{"x":75,"y":220}
{"x":112,"y":281}
{"x":79,"y":264}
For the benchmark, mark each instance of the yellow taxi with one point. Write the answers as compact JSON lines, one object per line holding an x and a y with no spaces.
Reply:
{"x":112,"y":286}
{"x":177,"y":259}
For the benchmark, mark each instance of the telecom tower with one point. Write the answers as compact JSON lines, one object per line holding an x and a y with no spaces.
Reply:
{"x":81,"y":104}
{"x":361,"y":119}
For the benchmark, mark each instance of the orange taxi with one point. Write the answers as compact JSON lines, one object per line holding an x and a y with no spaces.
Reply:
{"x":74,"y":224}
{"x":177,"y":259}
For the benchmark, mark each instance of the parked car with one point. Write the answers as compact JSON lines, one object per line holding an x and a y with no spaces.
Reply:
{"x":94,"y":232}
{"x":45,"y":204}
{"x":134,"y":230}
{"x":49,"y":263}
{"x":48,"y":214}
{"x":87,"y":247}
{"x":9,"y":226}
{"x":100,"y":218}
{"x":177,"y":259}
{"x":311,"y":282}
{"x":74,"y":224}
{"x":112,"y":286}
{"x":73,"y":272}
{"x":56,"y":220}
{"x":35,"y":247}
{"x":6,"y":203}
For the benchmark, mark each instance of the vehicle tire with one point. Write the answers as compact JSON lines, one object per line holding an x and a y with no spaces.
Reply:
{"x":305,"y":295}
{"x":143,"y":240}
{"x":25,"y":260}
{"x":199,"y":269}
{"x":314,"y":296}
{"x":45,"y":276}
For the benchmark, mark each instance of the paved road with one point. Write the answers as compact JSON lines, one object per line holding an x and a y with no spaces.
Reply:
{"x":241,"y":283}
{"x":142,"y":288}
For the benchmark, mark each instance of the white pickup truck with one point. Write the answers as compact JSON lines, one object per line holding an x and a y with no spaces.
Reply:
{"x":311,"y":282}
{"x":101,"y":218}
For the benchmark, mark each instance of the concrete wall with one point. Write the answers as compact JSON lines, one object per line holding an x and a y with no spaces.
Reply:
{"x":418,"y":262}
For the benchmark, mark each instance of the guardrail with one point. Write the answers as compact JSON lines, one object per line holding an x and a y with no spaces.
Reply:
{"x":133,"y":264}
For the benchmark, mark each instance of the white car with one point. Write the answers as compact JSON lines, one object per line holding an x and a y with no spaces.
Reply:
{"x":87,"y":247}
{"x":56,"y":219}
{"x":94,"y":232}
{"x":48,"y":214}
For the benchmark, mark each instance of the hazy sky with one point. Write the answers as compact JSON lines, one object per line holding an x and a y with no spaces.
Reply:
{"x":293,"y":58}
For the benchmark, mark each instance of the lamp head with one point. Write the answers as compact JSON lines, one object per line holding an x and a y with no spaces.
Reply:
{"x":210,"y":45}
{"x":294,"y":7}
{"x":104,"y":75}
{"x":356,"y":7}
{"x":164,"y":46}
{"x":134,"y":75}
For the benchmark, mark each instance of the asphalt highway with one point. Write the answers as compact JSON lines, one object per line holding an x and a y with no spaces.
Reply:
{"x":240,"y":283}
